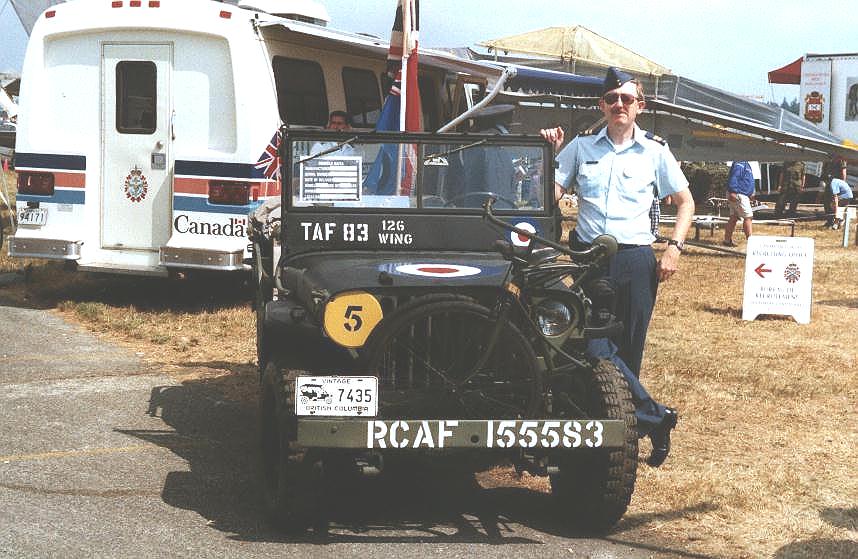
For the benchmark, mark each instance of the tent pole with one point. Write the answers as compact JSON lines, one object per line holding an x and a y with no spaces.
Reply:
{"x":508,"y":72}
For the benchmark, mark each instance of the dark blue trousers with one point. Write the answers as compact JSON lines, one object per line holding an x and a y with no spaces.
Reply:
{"x":632,"y":272}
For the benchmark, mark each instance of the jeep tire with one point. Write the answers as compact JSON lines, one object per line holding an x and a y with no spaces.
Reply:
{"x":291,"y":477}
{"x":594,"y":486}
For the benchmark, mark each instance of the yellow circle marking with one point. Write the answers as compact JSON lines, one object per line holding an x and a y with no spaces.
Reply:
{"x":351,"y":316}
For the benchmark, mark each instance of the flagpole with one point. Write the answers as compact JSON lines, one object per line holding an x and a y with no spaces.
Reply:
{"x":403,"y":89}
{"x":406,"y":52}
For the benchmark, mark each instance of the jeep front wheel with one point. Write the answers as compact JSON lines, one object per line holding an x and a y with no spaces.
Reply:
{"x":595,"y":486}
{"x":291,"y":478}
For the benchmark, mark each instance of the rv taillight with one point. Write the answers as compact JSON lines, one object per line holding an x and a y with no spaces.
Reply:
{"x":225,"y":14}
{"x":117,"y":4}
{"x":135,"y":3}
{"x":50,"y":13}
{"x":228,"y":193}
{"x":40,"y":184}
{"x":154,"y":3}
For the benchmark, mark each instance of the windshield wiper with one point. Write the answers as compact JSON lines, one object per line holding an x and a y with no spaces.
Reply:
{"x":329,"y":150}
{"x":454,"y":150}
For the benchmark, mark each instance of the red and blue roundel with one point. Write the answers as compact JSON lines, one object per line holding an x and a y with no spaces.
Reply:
{"x":438,"y":270}
{"x":520,"y":240}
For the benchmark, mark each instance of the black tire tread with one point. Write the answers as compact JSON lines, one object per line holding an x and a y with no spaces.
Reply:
{"x":289,"y":472}
{"x":596,"y":486}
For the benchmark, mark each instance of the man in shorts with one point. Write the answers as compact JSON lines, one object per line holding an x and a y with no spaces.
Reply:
{"x":740,"y":190}
{"x":841,"y":196}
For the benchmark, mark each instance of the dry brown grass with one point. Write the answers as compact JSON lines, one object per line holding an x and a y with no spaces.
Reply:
{"x":765,"y":455}
{"x":768,"y":436}
{"x":8,"y":182}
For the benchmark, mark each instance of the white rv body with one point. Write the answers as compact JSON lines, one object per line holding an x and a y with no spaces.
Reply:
{"x":138,"y":117}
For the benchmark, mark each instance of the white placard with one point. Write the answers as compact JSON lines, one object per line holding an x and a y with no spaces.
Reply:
{"x":330,"y":179}
{"x":337,"y":396}
{"x":778,"y":277}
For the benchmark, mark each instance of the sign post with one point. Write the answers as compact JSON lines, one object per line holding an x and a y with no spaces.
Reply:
{"x":848,"y":216}
{"x":778,"y":277}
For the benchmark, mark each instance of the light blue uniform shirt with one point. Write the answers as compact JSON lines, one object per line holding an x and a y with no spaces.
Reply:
{"x":616,"y":186}
{"x":840,"y":187}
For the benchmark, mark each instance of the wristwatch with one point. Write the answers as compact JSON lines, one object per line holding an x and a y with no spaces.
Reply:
{"x":678,"y":244}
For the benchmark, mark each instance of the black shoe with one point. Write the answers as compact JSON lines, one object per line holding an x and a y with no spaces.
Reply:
{"x":660,"y":437}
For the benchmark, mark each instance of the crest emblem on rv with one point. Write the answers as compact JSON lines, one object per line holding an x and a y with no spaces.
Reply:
{"x":136,"y":185}
{"x":814,"y":107}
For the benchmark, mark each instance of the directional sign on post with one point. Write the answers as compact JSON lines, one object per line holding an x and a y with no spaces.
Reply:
{"x":778,"y":277}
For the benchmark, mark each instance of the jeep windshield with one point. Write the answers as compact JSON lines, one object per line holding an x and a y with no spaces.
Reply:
{"x":444,"y":173}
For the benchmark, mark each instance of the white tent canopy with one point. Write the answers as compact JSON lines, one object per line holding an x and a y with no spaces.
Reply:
{"x":575,"y":45}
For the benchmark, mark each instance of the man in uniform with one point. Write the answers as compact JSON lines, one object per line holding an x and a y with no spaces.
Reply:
{"x":618,"y":172}
{"x":790,"y":184}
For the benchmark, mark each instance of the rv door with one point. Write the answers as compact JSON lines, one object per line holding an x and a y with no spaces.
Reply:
{"x":136,"y":160}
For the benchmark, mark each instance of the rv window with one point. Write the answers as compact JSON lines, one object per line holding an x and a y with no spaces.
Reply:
{"x":429,"y":100}
{"x":362,"y":100}
{"x":136,"y":97}
{"x":301,"y":95}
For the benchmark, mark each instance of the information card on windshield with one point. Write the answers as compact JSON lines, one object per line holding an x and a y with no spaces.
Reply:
{"x":331,"y":179}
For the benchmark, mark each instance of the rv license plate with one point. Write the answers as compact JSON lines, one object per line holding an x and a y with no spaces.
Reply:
{"x":32,"y":216}
{"x":340,"y":396}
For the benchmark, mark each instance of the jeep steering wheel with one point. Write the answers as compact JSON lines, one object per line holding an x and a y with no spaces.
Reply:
{"x":483,"y":196}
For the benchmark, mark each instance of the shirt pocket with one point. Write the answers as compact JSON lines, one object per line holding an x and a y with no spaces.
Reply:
{"x":589,"y":179}
{"x":637,"y":179}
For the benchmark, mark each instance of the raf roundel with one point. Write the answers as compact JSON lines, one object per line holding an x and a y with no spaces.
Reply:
{"x":438,"y":270}
{"x":518,"y":239}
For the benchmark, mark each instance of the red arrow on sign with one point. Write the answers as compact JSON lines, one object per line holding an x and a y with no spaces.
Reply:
{"x":760,"y":270}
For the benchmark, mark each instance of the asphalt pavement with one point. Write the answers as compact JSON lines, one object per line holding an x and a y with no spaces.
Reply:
{"x":103,"y":456}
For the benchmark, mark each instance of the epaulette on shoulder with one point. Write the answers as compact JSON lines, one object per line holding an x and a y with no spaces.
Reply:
{"x":655,"y":138}
{"x":587,"y":132}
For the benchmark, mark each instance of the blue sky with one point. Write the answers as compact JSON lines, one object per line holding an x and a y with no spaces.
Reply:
{"x":730,"y":44}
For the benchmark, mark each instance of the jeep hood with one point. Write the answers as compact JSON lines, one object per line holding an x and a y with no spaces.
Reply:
{"x":335,"y":271}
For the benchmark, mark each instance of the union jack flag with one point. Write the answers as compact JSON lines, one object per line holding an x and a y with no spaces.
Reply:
{"x":269,"y":161}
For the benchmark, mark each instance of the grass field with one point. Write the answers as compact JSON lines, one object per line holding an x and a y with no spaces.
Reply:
{"x":765,"y":457}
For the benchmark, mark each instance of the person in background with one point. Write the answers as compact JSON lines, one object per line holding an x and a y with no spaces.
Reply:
{"x":834,"y":168}
{"x":618,"y":173}
{"x":339,"y":121}
{"x":740,"y":191}
{"x":841,"y":196}
{"x":790,"y":185}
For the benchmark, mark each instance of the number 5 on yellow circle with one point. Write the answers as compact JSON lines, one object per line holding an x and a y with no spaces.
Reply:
{"x":350,"y":318}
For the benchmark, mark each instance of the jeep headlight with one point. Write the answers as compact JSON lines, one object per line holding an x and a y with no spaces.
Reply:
{"x":553,"y":317}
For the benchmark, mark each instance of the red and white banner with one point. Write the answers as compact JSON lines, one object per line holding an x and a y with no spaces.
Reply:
{"x":815,"y":100}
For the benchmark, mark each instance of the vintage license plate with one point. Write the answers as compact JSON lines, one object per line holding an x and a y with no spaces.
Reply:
{"x":339,"y":396}
{"x":32,"y":216}
{"x":545,"y":433}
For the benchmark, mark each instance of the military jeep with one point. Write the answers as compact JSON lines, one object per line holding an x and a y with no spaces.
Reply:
{"x":413,"y":299}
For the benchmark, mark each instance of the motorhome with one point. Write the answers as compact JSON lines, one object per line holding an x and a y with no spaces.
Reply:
{"x":148,"y":128}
